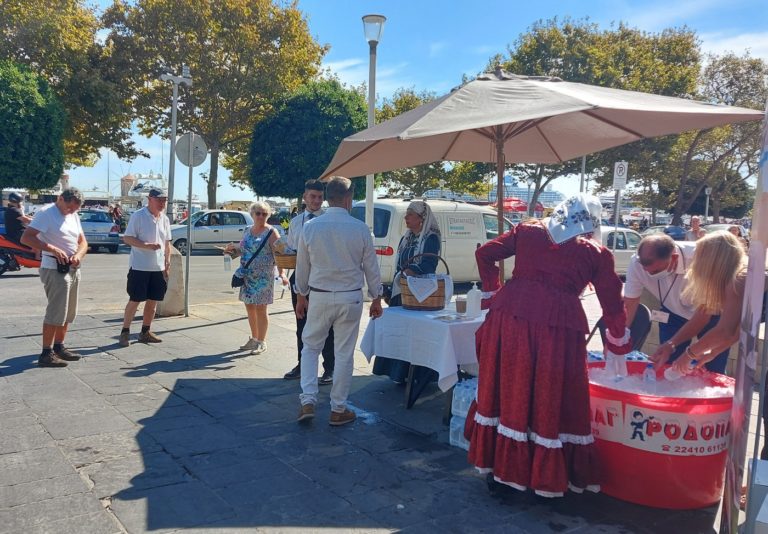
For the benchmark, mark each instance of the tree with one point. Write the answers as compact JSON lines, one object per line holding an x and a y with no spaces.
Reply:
{"x":244,"y":55}
{"x":579,"y":51}
{"x":459,"y":177}
{"x":298,"y":140}
{"x":31,"y":130}
{"x":57,"y":39}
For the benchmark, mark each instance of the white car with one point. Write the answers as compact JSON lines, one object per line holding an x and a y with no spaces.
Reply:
{"x":626,"y":246}
{"x":100,"y":230}
{"x":211,"y":229}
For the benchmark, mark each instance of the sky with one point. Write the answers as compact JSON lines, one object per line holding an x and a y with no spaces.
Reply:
{"x":429,"y":44}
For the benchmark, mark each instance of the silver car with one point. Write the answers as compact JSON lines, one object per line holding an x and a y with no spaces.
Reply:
{"x":211,"y":228}
{"x":100,"y":230}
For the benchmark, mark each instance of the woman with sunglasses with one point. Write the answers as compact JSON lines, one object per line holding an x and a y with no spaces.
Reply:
{"x":258,"y":290}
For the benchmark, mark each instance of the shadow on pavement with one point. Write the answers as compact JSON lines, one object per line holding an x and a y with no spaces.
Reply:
{"x":228,"y":453}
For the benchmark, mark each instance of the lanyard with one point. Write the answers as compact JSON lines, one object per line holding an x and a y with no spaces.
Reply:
{"x":658,"y":283}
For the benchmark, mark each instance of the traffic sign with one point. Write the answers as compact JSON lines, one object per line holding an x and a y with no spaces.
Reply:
{"x":620,"y":175}
{"x":199,"y":150}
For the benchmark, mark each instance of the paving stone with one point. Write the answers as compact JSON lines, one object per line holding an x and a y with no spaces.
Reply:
{"x":30,"y":516}
{"x":21,"y":438}
{"x":36,"y":464}
{"x":169,"y":508}
{"x":104,"y":447}
{"x":41,"y":490}
{"x":93,"y":523}
{"x":135,"y":471}
{"x":195,"y":440}
{"x":88,"y":423}
{"x":261,"y":489}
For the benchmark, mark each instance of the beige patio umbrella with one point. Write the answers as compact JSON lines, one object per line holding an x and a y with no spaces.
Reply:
{"x":505,"y":118}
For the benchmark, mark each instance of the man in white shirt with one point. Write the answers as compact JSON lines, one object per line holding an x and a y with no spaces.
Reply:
{"x":149,"y":235}
{"x":313,"y":199}
{"x":696,"y":230}
{"x":335,"y":258}
{"x":659,"y":266}
{"x":57,"y":233}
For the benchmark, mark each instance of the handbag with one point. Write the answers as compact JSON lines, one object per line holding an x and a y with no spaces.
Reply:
{"x":239,"y":281}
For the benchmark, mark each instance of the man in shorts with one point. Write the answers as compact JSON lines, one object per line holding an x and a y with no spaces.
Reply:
{"x":57,"y":233}
{"x":149,"y":235}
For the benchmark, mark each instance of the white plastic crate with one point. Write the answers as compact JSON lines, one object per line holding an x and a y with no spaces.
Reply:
{"x":456,"y":436}
{"x":464,"y":393}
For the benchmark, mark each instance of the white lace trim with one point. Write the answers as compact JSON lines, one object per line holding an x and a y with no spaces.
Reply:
{"x":510,"y":484}
{"x":486,"y":421}
{"x":550,"y":494}
{"x":517,"y":435}
{"x":512,"y":434}
{"x":620,"y":341}
{"x":484,"y":470}
{"x":589,"y":439}
{"x":594,"y":488}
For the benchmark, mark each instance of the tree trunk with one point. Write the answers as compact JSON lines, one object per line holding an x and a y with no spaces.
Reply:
{"x":714,"y":205}
{"x":214,"y":176}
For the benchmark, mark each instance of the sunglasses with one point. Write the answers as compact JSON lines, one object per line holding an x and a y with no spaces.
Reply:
{"x":260,"y":214}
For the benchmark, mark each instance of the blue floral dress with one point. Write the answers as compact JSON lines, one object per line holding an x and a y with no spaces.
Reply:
{"x":259,"y":279}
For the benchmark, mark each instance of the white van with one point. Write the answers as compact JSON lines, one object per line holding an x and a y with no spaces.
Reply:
{"x":463,"y":227}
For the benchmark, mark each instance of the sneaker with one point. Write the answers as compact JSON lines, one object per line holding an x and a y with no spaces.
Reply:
{"x":124,"y":339}
{"x":326,"y":378}
{"x":342,"y":418}
{"x":306,"y":412}
{"x":66,"y":354}
{"x":293,"y":374}
{"x":51,"y":360}
{"x":251,"y":344}
{"x":149,"y":337}
{"x":260,"y":348}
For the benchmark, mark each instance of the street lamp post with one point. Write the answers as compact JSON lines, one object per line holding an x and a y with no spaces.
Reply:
{"x":707,"y":191}
{"x":185,"y":79}
{"x":372,"y":26}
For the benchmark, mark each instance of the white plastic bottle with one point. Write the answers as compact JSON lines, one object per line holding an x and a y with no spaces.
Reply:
{"x":621,"y":366}
{"x":649,"y":375}
{"x":672,"y":374}
{"x":474,"y":298}
{"x":227,"y":262}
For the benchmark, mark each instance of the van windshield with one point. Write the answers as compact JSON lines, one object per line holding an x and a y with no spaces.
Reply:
{"x":380,"y":219}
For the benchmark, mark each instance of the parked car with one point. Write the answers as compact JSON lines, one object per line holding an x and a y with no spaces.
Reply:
{"x":675,"y":232}
{"x":211,"y":228}
{"x":2,"y":220}
{"x":100,"y":230}
{"x":743,"y":232}
{"x":627,"y":241}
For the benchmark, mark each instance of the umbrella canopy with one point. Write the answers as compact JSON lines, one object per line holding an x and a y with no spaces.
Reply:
{"x":525,"y":119}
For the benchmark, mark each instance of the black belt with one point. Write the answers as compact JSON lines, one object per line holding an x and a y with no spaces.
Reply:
{"x":328,"y":291}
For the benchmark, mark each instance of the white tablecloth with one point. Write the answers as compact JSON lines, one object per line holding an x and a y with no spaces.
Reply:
{"x":420,"y":339}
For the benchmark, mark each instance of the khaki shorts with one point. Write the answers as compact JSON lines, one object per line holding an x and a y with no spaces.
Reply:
{"x":62,"y":292}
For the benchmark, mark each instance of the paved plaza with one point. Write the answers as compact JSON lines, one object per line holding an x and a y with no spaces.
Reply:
{"x":189,"y":436}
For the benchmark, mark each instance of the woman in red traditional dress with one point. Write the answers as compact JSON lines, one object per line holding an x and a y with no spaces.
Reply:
{"x":530,"y":426}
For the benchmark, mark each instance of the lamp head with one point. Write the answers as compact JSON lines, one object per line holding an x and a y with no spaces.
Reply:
{"x":373,"y":26}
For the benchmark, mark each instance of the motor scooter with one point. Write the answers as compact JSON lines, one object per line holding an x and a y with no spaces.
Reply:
{"x":14,"y":256}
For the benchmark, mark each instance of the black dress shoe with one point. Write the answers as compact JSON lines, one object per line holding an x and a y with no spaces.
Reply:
{"x":326,"y":378}
{"x":293,"y":374}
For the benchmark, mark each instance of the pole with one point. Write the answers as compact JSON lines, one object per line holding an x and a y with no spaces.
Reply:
{"x":583,"y":170}
{"x":189,"y":230}
{"x":500,"y":190}
{"x":371,"y":122}
{"x":706,"y":210}
{"x":616,"y":211}
{"x":172,"y":166}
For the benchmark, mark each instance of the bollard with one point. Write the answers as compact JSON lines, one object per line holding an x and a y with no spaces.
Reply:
{"x":173,"y":304}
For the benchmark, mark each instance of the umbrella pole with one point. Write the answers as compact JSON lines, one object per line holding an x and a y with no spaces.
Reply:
{"x":500,"y":191}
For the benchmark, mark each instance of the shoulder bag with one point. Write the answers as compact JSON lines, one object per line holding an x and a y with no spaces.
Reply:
{"x":239,"y":281}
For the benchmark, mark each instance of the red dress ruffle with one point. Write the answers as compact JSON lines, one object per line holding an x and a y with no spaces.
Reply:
{"x":530,"y":425}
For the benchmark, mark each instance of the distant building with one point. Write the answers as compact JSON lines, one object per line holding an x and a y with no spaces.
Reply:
{"x":548,"y":198}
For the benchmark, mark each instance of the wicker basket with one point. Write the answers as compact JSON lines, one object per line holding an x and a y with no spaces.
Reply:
{"x":434,"y":302}
{"x":285,"y":261}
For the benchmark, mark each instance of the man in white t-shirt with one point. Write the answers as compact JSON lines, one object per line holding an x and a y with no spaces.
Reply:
{"x":57,"y":233}
{"x":149,"y":235}
{"x":659,"y":267}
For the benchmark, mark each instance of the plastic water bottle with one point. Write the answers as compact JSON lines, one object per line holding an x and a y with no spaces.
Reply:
{"x":227,"y":262}
{"x":621,"y":366}
{"x":672,"y":374}
{"x":474,"y":297}
{"x":649,"y":375}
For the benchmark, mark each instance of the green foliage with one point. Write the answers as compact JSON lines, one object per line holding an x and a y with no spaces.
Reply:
{"x":31,"y":130}
{"x":298,"y":140}
{"x":244,"y":55}
{"x":459,"y":177}
{"x":57,"y":39}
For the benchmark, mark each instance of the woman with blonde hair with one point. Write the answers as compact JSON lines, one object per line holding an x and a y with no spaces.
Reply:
{"x":716,"y":281}
{"x":257,"y":267}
